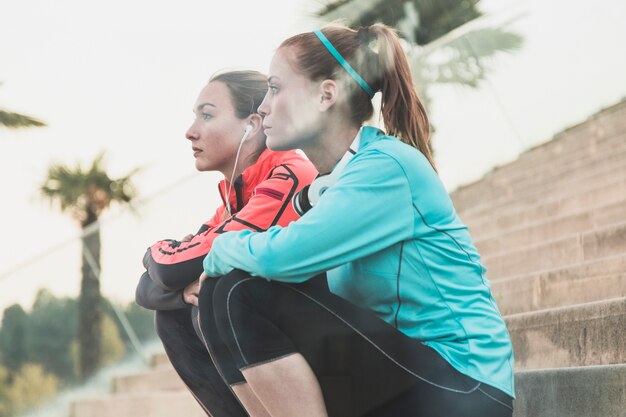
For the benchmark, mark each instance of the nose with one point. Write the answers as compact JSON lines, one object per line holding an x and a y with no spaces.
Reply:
{"x":191,"y":133}
{"x":264,"y":107}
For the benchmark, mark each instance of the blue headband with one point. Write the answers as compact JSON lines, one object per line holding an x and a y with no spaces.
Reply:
{"x":334,"y":52}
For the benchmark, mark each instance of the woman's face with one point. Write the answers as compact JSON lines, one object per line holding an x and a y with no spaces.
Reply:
{"x":216,"y":130}
{"x":290,"y":108}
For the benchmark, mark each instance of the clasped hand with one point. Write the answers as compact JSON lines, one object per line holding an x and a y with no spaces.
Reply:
{"x":191,"y":291}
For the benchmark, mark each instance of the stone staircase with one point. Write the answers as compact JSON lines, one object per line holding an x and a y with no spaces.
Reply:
{"x":158,"y":392}
{"x":551,"y":229}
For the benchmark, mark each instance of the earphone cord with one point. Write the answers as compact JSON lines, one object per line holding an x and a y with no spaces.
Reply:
{"x":232,"y":176}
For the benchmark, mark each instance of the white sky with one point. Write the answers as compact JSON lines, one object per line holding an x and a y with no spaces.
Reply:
{"x":122,"y":76}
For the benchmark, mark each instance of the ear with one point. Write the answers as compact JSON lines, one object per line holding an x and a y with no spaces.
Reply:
{"x":328,"y":91}
{"x":256,"y":121}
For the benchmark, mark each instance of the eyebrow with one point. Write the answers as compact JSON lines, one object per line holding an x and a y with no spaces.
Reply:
{"x":200,"y":106}
{"x":269,"y":80}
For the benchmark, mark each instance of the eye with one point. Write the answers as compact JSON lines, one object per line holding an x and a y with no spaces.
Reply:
{"x":273,"y":89}
{"x":205,"y":116}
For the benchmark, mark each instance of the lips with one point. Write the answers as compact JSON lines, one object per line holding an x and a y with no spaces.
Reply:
{"x":196,"y":150}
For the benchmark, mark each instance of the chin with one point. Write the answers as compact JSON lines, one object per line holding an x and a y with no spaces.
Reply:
{"x":279,"y":144}
{"x":202,"y":165}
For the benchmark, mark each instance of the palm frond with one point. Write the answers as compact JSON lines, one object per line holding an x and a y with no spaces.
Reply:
{"x":331,"y":7}
{"x":16,"y":120}
{"x":464,"y":60}
{"x":86,"y":191}
{"x":433,"y":18}
{"x":486,"y":42}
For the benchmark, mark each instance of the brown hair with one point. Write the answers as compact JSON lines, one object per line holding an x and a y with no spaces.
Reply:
{"x":247,"y":89}
{"x":376,"y":54}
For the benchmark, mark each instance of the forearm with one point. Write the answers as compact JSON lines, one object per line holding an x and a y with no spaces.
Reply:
{"x":351,"y":221}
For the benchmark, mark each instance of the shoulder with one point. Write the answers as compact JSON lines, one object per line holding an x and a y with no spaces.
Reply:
{"x":288,"y":163}
{"x":386,"y":158}
{"x":389,"y":150}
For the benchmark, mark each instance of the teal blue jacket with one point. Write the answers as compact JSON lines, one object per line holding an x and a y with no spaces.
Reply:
{"x":391,"y":241}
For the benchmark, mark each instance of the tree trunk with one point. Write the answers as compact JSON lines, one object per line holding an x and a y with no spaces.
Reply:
{"x":90,"y":306}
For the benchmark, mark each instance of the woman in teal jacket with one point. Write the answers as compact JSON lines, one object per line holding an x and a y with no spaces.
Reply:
{"x":407,"y":325}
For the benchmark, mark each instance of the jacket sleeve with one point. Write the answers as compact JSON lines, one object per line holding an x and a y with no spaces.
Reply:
{"x":367,"y":210}
{"x":173,"y":264}
{"x":151,"y":296}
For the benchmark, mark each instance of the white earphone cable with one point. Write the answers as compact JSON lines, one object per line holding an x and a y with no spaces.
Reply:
{"x":232,"y":176}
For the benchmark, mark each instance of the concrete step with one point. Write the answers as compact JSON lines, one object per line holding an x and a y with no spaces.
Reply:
{"x":578,"y":335}
{"x":591,"y":132}
{"x":590,"y":391}
{"x":165,"y":379}
{"x":500,"y":221}
{"x":589,"y":137}
{"x":543,"y":230}
{"x":158,"y":404}
{"x":573,"y":249}
{"x":554,"y":171}
{"x":500,"y":201}
{"x":596,"y":280}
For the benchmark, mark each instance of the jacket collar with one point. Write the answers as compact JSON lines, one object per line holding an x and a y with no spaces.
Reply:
{"x":369,"y":134}
{"x":246,"y":182}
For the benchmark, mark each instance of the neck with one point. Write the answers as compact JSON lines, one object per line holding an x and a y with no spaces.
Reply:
{"x":333,"y":142}
{"x":247,"y":157}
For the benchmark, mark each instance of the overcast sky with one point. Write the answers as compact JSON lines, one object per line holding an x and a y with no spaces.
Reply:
{"x":122,"y":77}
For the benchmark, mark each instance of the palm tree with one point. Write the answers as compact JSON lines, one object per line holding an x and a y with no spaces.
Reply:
{"x":443,"y":44}
{"x":85,"y":194}
{"x":15,"y":120}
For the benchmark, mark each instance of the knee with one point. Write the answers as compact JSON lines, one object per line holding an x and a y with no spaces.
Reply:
{"x":236,"y":296}
{"x":230,"y":287}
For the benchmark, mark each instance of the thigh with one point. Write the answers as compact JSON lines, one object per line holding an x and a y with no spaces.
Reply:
{"x":424,"y":400}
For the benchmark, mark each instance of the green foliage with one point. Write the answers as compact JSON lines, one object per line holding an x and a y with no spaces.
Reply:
{"x":463,"y":60}
{"x":142,"y":322}
{"x":425,"y":20}
{"x":25,"y":389}
{"x":16,"y":120}
{"x":13,"y":344}
{"x":113,"y":347}
{"x":5,"y":406}
{"x":52,"y":327}
{"x":40,"y":349}
{"x":85,"y":193}
{"x":435,"y":57}
{"x":48,"y":336}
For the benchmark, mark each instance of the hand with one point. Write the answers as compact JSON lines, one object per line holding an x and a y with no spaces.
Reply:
{"x":190,"y":293}
{"x":187,"y":238}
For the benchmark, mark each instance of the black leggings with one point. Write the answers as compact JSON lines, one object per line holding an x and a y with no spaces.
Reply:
{"x":188,"y":354}
{"x":365,"y":367}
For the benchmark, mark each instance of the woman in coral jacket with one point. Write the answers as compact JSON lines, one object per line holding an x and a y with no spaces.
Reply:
{"x":257,"y":189}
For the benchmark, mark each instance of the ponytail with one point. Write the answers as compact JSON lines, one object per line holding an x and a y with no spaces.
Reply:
{"x":403,"y":112}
